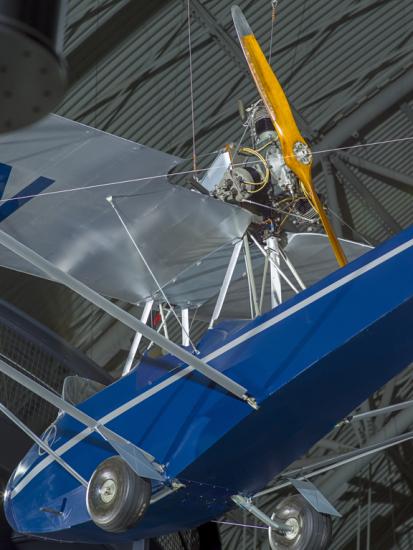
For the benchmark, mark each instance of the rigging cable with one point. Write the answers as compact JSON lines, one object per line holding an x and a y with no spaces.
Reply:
{"x":182,"y":173}
{"x":239,"y":524}
{"x":353,"y":229}
{"x":151,"y":273}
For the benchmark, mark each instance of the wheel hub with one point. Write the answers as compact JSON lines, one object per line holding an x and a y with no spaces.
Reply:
{"x":108,"y":491}
{"x":294,"y":529}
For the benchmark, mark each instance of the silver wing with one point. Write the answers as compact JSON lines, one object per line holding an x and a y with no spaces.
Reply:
{"x":56,"y":177}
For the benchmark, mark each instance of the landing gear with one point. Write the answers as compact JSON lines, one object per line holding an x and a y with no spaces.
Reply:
{"x":117,"y":498}
{"x":308,"y":529}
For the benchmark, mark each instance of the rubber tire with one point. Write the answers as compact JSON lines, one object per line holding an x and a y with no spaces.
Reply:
{"x":129,"y":503}
{"x":315,"y":528}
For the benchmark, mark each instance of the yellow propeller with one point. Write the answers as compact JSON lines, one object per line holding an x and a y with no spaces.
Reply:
{"x":296,"y":152}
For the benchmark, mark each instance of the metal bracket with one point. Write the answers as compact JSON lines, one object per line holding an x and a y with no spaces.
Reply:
{"x":246,"y":504}
{"x":314,"y":497}
{"x":141,"y":463}
{"x":175,"y":485}
{"x":376,"y":412}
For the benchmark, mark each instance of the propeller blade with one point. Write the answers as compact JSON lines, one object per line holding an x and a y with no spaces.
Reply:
{"x":296,"y":152}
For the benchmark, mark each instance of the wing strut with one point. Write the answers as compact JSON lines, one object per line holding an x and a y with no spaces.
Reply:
{"x":139,"y":460}
{"x":296,"y":152}
{"x":118,"y":313}
{"x":22,"y":426}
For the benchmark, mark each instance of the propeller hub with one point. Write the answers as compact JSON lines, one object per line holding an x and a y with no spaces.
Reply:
{"x":302,"y":153}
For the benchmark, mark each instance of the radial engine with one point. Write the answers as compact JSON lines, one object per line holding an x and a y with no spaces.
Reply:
{"x":257,"y":178}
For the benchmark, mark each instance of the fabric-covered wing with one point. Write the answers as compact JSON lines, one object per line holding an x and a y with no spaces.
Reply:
{"x":55,"y":178}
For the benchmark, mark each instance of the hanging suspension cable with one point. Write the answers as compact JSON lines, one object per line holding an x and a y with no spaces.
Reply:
{"x":191,"y":85}
{"x":274,"y":4}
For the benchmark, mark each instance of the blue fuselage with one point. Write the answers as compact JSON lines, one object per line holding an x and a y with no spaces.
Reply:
{"x":308,"y":363}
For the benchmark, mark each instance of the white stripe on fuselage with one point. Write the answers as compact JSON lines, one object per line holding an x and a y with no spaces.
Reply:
{"x":217,"y":353}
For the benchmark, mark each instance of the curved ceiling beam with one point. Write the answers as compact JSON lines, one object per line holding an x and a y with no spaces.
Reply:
{"x":367,"y":116}
{"x":109,"y":35}
{"x":377,"y":171}
{"x":336,"y":482}
{"x":383,"y":216}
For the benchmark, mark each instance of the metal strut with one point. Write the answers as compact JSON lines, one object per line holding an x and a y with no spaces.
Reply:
{"x":124,"y":317}
{"x":307,"y":472}
{"x":282,"y":274}
{"x":246,"y":504}
{"x":251,"y":280}
{"x":137,"y":339}
{"x":139,"y":460}
{"x":148,"y":267}
{"x":42,"y":444}
{"x":376,"y":412}
{"x":274,"y":256}
{"x":163,"y":324}
{"x":225,"y":285}
{"x":185,"y":327}
{"x":292,"y":268}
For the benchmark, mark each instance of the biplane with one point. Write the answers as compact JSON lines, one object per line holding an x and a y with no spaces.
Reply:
{"x":303,"y":326}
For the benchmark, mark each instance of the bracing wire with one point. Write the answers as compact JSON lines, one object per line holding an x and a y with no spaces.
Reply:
{"x":151,"y":273}
{"x":182,"y":173}
{"x":240,"y":524}
{"x":353,"y":229}
{"x":110,"y":183}
{"x":361,"y":145}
